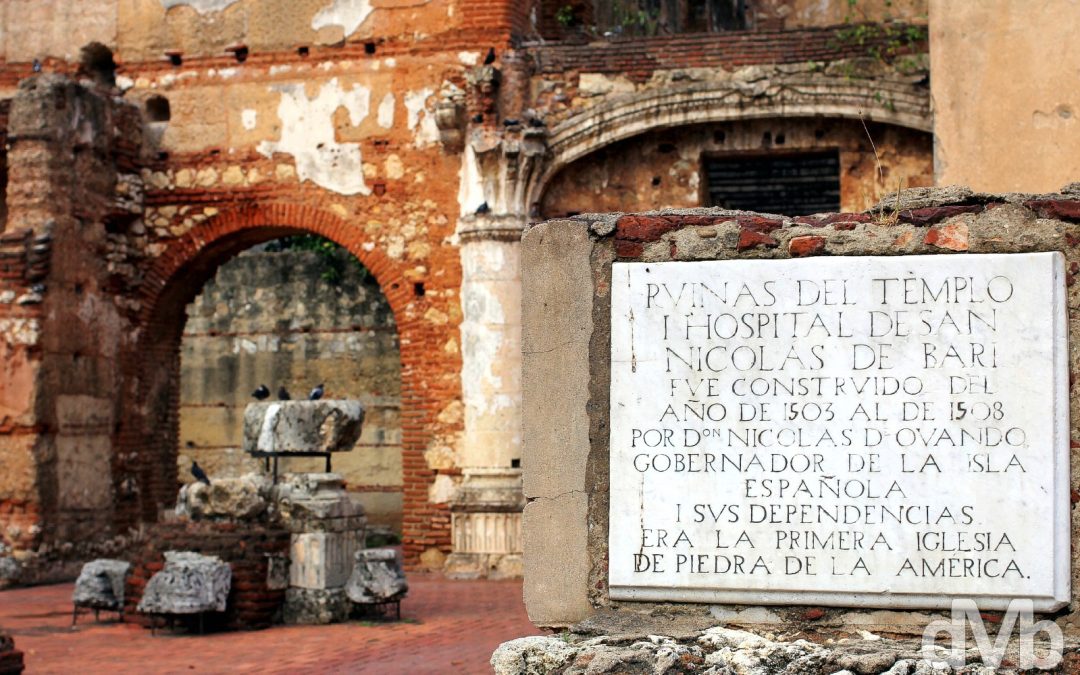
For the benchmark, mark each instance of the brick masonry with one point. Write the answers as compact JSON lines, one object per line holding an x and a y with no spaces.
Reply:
{"x":245,"y":546}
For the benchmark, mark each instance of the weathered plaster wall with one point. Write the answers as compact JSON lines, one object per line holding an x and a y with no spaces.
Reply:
{"x":1006,"y":94}
{"x":275,"y":318}
{"x":63,"y":334}
{"x":666,"y":168}
{"x":566,"y":268}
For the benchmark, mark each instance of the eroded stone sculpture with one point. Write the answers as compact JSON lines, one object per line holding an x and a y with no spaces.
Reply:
{"x":376,"y":577}
{"x":188,"y":584}
{"x":240,"y":498}
{"x":101,"y":585}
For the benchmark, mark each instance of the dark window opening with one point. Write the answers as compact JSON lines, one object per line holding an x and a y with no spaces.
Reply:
{"x":96,"y":61}
{"x":158,"y":109}
{"x":788,"y":184}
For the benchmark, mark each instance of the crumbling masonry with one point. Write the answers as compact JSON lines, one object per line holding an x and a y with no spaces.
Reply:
{"x":188,"y":131}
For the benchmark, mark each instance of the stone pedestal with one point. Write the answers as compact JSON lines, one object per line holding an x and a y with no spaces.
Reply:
{"x":486,"y":525}
{"x":327,"y":530}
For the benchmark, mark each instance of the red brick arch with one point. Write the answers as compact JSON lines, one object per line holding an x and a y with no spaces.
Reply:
{"x":145,"y":465}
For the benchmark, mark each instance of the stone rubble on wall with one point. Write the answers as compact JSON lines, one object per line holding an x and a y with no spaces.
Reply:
{"x":376,"y":577}
{"x":188,"y":584}
{"x":240,"y":498}
{"x":101,"y":584}
{"x":722,"y":651}
{"x":302,"y":426}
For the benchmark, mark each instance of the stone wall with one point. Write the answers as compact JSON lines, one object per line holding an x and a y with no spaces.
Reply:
{"x":1023,"y":136}
{"x":294,"y":318}
{"x":566,"y":349}
{"x":666,"y":168}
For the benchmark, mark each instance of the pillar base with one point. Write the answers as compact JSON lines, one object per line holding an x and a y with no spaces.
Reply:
{"x":486,"y":526}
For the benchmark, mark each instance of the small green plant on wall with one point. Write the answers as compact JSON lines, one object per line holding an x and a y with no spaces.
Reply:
{"x":884,"y":39}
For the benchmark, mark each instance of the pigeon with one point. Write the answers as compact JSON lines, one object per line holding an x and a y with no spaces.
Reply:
{"x":262,"y":393}
{"x":37,"y":66}
{"x":490,"y":58}
{"x":483,"y":208}
{"x":283,"y":393}
{"x":316,"y":393}
{"x":199,"y":474}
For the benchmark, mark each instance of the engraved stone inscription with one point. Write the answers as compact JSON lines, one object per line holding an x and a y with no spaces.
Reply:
{"x":856,"y":431}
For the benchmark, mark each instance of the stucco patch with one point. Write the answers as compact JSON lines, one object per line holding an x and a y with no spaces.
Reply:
{"x":307,"y":133}
{"x":348,"y":14}
{"x":200,"y":6}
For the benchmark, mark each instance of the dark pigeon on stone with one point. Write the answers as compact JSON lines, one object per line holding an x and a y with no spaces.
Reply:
{"x":198,"y":472}
{"x":483,"y":208}
{"x":37,"y":66}
{"x":283,"y":393}
{"x":490,"y":58}
{"x":316,"y":393}
{"x":262,"y":393}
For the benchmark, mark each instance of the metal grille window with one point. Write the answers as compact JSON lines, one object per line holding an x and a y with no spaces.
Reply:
{"x":789,"y":184}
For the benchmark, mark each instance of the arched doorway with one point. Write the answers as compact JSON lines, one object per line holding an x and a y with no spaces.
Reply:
{"x":145,"y":462}
{"x":293,"y":313}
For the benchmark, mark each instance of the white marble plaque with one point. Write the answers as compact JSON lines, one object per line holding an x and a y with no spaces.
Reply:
{"x":851,"y":431}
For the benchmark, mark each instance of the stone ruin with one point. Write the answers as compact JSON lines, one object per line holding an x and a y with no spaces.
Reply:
{"x":100,"y":586}
{"x":325,"y":527}
{"x":189,"y":583}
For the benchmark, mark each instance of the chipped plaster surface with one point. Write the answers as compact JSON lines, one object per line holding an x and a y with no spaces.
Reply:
{"x":386,"y":111}
{"x":200,"y":6}
{"x":249,"y":118}
{"x":307,"y":133}
{"x":349,"y":14}
{"x":420,"y":120}
{"x":470,"y":182}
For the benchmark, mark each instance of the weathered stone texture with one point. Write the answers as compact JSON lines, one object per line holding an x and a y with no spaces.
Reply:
{"x":376,"y":577}
{"x":302,"y":426}
{"x":240,"y":498}
{"x":725,"y":651}
{"x":189,"y":583}
{"x":101,"y":584}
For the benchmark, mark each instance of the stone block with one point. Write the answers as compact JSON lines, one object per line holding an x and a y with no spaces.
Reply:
{"x":189,"y":583}
{"x":240,"y":498}
{"x":310,"y":606}
{"x":302,"y":426}
{"x":322,"y":560}
{"x":556,"y":533}
{"x":101,"y":584}
{"x":556,"y":329}
{"x":376,"y":577}
{"x":317,"y":502}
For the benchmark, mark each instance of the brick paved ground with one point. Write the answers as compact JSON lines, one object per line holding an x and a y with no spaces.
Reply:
{"x":447,"y":627}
